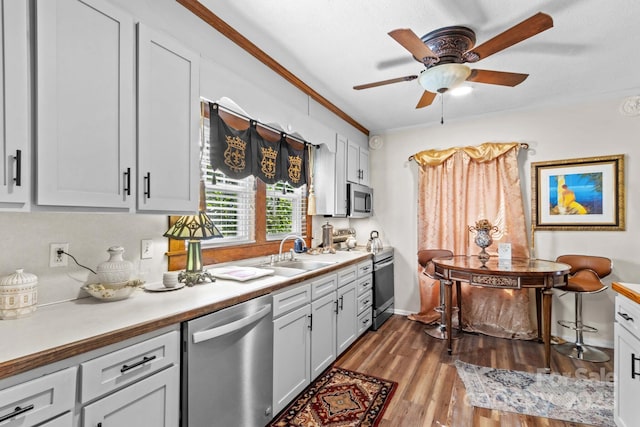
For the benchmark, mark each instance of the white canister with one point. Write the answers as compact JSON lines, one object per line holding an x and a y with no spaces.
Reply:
{"x":18,"y":294}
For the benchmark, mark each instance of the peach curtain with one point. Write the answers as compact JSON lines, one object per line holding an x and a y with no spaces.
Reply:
{"x":457,"y":187}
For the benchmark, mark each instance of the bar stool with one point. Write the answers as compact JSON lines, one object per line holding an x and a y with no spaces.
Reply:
{"x":439,"y":330}
{"x":584,"y":278}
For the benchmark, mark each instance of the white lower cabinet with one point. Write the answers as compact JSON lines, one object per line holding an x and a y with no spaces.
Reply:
{"x":135,"y":383}
{"x":62,"y":421}
{"x":347,"y":316}
{"x":323,"y":328}
{"x":313,"y":323}
{"x":291,"y":356}
{"x":365,"y":296}
{"x":136,"y":386}
{"x":291,"y":344}
{"x":41,"y":400}
{"x":152,"y":402}
{"x":627,"y":362}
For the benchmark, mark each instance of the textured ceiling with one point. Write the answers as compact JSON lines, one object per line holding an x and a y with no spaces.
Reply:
{"x":332,"y":45}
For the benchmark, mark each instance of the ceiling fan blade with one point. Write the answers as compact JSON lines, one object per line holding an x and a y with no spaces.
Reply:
{"x":426,"y":99}
{"x":496,"y":77}
{"x":522,"y":31}
{"x":410,"y":41}
{"x":386,"y":82}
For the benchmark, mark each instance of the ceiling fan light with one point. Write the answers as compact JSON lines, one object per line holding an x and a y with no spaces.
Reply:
{"x":443,"y":77}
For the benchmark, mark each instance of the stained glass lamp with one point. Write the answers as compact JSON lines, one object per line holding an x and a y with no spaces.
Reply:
{"x":194,"y":228}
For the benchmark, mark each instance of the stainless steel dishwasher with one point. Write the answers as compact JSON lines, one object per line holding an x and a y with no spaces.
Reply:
{"x":227,"y":367}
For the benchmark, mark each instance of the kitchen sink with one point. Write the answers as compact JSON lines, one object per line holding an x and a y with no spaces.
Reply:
{"x":304,"y":265}
{"x":285,"y":271}
{"x":295,"y":267}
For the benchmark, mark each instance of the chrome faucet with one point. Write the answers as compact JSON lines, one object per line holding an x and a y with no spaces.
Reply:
{"x":289,"y":236}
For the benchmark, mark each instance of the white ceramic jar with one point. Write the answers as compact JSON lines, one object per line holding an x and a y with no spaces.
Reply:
{"x":116,"y":269}
{"x":18,"y":294}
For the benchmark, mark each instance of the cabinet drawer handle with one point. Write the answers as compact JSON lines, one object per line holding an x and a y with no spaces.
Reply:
{"x":365,"y":302}
{"x":18,"y":159}
{"x":144,"y":360}
{"x":127,"y":182}
{"x":16,"y":412}
{"x":147,"y":185}
{"x":633,"y":366}
{"x":625,"y":316}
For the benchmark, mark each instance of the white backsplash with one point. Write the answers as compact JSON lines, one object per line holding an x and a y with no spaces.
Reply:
{"x":26,"y":237}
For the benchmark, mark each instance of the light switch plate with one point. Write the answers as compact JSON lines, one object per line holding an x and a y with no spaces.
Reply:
{"x":146,"y":249}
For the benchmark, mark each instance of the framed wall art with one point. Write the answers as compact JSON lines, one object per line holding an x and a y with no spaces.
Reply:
{"x":578,"y":194}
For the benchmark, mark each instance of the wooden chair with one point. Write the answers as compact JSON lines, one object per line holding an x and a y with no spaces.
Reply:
{"x":584,"y":278}
{"x":439,"y":330}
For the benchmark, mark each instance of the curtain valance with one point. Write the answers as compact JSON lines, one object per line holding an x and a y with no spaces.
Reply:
{"x":481,"y":153}
{"x":240,"y":153}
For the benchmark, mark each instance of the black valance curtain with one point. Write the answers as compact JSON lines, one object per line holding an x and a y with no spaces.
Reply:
{"x":240,"y":153}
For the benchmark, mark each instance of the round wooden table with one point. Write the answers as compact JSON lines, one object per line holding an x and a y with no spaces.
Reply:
{"x":514,"y":273}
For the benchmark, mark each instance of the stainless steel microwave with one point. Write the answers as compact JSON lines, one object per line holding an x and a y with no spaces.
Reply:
{"x":359,"y":201}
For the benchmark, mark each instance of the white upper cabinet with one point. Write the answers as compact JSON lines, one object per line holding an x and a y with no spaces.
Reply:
{"x":14,"y":105}
{"x":84,"y":104}
{"x":168,"y":123}
{"x":357,"y":164}
{"x":330,"y":178}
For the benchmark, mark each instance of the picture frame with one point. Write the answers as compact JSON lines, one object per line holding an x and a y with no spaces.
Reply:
{"x":585,"y":194}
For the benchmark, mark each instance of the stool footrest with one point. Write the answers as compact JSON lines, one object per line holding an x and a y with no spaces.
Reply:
{"x":573,"y":325}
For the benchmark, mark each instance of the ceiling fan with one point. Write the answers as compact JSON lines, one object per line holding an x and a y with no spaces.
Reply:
{"x":444,"y":52}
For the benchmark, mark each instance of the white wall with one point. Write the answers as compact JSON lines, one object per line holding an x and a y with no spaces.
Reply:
{"x":586,"y":129}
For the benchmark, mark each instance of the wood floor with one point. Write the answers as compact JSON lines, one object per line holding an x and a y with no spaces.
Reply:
{"x":430,"y":393}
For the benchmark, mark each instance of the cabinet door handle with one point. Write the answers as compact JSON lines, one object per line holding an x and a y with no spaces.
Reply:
{"x":16,"y":412}
{"x":337,"y":310}
{"x":310,"y":326}
{"x":144,"y":360}
{"x":18,"y":159}
{"x":633,"y":366}
{"x":147,"y":185}
{"x":342,"y":302}
{"x":127,"y":182}
{"x":625,"y":316}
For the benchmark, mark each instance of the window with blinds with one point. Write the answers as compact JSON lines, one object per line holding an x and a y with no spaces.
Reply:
{"x":286,"y":210}
{"x":230,"y":204}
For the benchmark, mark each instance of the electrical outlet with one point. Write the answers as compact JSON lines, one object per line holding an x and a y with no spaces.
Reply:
{"x":58,"y":259}
{"x":146,"y":249}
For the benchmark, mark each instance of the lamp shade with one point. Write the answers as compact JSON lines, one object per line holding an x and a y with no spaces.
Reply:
{"x":443,"y":77}
{"x":193,"y":227}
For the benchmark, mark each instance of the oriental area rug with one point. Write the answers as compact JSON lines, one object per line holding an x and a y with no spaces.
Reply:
{"x":578,"y":400}
{"x":339,"y":398}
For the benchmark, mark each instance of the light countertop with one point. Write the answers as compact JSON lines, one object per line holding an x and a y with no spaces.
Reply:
{"x":629,"y":290}
{"x":62,"y":330}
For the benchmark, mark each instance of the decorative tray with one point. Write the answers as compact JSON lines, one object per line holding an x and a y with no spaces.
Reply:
{"x":239,"y":273}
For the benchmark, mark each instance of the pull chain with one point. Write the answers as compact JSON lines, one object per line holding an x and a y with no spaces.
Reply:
{"x":442,"y":108}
